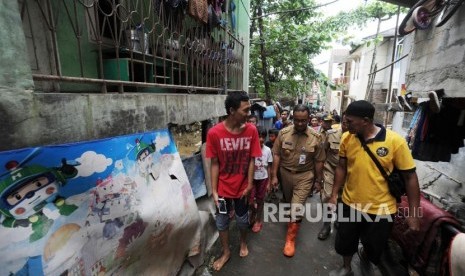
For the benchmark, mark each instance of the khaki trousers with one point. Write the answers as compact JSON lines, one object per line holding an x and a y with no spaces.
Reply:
{"x":296,"y":187}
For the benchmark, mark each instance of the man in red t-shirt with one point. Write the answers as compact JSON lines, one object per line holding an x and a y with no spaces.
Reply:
{"x":232,"y":146}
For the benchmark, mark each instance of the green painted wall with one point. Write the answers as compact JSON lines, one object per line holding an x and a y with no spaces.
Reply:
{"x":243,"y":25}
{"x":68,"y":49}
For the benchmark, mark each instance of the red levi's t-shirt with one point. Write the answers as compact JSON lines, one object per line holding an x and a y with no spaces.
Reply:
{"x":233,"y":152}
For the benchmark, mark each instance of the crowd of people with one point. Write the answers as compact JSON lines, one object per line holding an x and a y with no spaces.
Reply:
{"x":310,"y":153}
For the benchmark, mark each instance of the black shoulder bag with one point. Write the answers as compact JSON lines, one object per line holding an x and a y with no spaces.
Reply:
{"x":395,"y":180}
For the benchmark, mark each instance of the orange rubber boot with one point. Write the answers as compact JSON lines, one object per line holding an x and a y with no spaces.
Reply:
{"x":289,"y":247}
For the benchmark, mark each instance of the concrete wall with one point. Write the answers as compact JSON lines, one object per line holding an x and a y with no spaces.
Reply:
{"x":31,"y":119}
{"x":15,"y":71}
{"x":438,"y":58}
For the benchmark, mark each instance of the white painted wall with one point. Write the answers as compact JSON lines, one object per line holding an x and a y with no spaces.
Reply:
{"x":362,"y":60}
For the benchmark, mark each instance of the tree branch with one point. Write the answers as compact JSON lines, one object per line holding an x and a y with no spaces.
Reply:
{"x":295,"y":10}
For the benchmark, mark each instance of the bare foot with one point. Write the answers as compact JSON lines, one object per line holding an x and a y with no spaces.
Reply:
{"x":244,"y":251}
{"x":221,"y":261}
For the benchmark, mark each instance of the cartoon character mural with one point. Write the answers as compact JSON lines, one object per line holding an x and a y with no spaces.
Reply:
{"x":113,"y":199}
{"x":144,"y":157}
{"x":121,"y":195}
{"x":26,"y":189}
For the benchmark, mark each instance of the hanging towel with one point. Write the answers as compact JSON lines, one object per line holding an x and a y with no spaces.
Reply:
{"x":198,"y":9}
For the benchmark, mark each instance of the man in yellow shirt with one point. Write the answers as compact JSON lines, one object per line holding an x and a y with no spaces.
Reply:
{"x":367,"y":206}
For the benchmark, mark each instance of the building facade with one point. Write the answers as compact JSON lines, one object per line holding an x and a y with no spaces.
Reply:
{"x":83,"y":70}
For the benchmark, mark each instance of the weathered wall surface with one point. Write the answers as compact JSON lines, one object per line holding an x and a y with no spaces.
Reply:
{"x":438,"y":58}
{"x":14,"y":70}
{"x":33,"y":119}
{"x":444,"y":180}
{"x":29,"y":118}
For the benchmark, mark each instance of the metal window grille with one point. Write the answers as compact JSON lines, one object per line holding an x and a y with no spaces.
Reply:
{"x":128,"y":45}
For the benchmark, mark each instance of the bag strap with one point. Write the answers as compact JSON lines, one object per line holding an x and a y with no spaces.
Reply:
{"x":367,"y":149}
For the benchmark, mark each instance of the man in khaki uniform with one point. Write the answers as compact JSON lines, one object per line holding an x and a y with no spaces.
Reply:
{"x":322,"y":129}
{"x":331,"y":147}
{"x":326,"y":122}
{"x":299,"y":156}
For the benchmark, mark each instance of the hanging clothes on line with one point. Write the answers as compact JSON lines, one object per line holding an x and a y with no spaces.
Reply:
{"x":435,"y":136}
{"x":414,"y":126}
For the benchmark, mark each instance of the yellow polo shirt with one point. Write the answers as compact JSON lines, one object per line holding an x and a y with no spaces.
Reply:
{"x":365,"y":188}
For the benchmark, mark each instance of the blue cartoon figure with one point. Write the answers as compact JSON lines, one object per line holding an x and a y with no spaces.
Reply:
{"x":26,"y":190}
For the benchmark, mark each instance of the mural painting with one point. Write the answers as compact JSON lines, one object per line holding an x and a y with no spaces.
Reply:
{"x":119,"y":206}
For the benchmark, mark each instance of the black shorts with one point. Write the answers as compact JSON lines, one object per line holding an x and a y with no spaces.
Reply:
{"x":373,"y":234}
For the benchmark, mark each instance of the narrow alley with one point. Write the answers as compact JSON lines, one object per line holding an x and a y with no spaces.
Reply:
{"x":313,"y":256}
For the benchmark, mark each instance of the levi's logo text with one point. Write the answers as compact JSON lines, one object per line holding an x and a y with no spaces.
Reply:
{"x":242,"y":143}
{"x":236,"y":152}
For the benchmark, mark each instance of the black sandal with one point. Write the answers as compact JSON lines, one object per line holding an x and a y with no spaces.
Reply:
{"x":324,"y":232}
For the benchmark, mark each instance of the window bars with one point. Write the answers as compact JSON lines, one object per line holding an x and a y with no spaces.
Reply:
{"x":129,"y":45}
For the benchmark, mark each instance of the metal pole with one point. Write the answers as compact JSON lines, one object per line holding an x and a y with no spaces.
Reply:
{"x":225,"y":61}
{"x":54,"y":39}
{"x":395,"y":61}
{"x":394,"y":48}
{"x":40,"y":77}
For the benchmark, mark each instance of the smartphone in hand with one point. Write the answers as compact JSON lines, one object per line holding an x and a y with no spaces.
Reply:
{"x":222,"y":208}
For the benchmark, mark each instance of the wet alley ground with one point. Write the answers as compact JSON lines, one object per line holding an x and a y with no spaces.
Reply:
{"x":313,"y":256}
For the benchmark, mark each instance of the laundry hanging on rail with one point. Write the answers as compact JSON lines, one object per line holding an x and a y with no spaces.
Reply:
{"x":435,"y":136}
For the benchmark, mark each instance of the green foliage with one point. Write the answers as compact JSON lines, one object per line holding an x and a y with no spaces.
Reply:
{"x":291,"y":39}
{"x":378,"y":10}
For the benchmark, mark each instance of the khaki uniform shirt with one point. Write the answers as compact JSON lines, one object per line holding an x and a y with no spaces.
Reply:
{"x":332,"y":142}
{"x":323,"y":134}
{"x":298,"y":152}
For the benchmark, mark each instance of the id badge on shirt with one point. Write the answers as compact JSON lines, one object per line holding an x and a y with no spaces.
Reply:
{"x":302,"y":159}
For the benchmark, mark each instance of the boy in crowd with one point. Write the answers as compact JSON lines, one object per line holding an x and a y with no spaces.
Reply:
{"x":272,"y":134}
{"x":284,"y":121}
{"x":253,"y":119}
{"x":261,"y":183}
